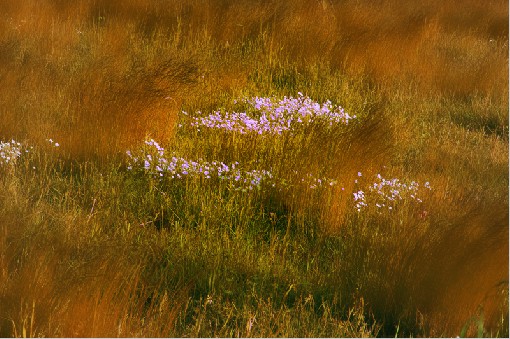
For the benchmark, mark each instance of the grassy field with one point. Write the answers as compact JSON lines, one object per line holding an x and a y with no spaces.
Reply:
{"x":254,"y":168}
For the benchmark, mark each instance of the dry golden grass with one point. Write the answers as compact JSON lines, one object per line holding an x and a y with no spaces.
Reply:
{"x":73,"y":71}
{"x":59,"y":281}
{"x":461,"y":271}
{"x":81,"y":83}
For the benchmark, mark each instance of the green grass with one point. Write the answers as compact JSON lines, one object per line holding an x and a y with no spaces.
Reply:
{"x":89,"y":248}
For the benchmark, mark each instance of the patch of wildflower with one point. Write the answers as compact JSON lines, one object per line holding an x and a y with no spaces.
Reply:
{"x":385,"y":193}
{"x":53,"y":143}
{"x":153,"y":160}
{"x":359,"y":200}
{"x":270,"y":115}
{"x":10,"y":151}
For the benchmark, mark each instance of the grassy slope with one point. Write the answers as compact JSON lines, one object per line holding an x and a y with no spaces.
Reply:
{"x":90,"y":249}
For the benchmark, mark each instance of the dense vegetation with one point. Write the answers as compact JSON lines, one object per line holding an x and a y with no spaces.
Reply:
{"x":253,"y":168}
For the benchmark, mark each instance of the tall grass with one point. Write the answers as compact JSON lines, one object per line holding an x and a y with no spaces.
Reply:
{"x":91,"y":248}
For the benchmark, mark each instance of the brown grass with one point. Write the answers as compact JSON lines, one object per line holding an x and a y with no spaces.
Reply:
{"x":441,"y":272}
{"x":462,"y":271}
{"x":71,"y":71}
{"x":56,"y":285}
{"x":60,"y":279}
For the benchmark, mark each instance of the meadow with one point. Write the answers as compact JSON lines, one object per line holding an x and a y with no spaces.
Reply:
{"x":260,"y":168}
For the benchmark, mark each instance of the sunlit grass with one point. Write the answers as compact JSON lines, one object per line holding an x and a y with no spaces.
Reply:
{"x":231,"y":169}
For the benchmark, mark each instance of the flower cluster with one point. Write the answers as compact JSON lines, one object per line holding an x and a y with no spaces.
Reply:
{"x":53,"y":143}
{"x":153,"y":160}
{"x":359,"y":200}
{"x":273,"y":116}
{"x":10,"y":151}
{"x":384,"y":193}
{"x":301,"y":109}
